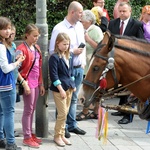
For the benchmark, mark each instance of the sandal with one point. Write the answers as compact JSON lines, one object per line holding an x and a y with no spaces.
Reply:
{"x":81,"y":116}
{"x":92,"y":116}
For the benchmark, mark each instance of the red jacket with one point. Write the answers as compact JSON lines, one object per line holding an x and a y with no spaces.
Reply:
{"x":107,"y":15}
{"x":27,"y":63}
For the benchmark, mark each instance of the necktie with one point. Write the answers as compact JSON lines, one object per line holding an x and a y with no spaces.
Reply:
{"x":121,"y":27}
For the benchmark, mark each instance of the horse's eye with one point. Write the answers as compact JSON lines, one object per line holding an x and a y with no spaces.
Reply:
{"x":96,"y":68}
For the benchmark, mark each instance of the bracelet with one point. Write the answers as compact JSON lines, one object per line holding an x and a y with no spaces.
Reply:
{"x":22,"y":81}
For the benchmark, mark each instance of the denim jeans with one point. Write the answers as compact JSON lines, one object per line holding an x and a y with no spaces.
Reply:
{"x":7,"y":109}
{"x":71,"y":122}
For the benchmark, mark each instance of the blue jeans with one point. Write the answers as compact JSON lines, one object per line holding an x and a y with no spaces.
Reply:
{"x":7,"y":109}
{"x":71,"y":122}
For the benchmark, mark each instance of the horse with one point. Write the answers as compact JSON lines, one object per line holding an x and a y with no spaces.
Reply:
{"x":119,"y":60}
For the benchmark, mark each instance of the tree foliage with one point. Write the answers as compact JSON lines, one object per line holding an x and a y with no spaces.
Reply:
{"x":22,"y":12}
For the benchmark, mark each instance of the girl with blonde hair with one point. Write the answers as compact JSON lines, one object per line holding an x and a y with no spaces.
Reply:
{"x":62,"y":84}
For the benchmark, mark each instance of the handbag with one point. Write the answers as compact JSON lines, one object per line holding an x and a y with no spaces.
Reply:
{"x":20,"y":89}
{"x":20,"y":86}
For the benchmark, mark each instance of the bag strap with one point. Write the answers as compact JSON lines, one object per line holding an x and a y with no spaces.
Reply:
{"x":33,"y":61}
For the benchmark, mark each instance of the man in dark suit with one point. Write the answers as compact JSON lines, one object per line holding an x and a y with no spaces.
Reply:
{"x":125,"y":25}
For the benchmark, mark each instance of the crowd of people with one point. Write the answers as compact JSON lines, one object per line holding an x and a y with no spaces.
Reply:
{"x":70,"y":52}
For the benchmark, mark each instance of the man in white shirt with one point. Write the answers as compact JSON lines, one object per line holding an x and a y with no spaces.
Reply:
{"x":72,"y":26}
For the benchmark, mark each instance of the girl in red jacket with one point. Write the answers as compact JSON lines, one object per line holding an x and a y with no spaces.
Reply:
{"x":31,"y":79}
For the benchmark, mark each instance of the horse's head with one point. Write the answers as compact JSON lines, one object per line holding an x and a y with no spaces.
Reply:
{"x":101,"y":60}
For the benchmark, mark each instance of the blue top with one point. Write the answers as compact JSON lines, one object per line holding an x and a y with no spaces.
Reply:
{"x":7,"y":81}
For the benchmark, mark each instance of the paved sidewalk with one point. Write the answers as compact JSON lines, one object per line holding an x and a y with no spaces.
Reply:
{"x":120,"y":137}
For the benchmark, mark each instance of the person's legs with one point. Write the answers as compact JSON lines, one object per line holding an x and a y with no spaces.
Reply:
{"x":2,"y":142}
{"x":122,"y":101}
{"x":35,"y":98}
{"x":83,"y":114}
{"x":127,"y":118}
{"x":8,"y":100}
{"x":27,"y":118}
{"x":71,"y":117}
{"x":86,"y":114}
{"x":71,"y":123}
{"x":1,"y":121}
{"x":60,"y":120}
{"x":62,"y":106}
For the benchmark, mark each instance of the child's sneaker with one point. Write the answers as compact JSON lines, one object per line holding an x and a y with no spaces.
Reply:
{"x":30,"y":142}
{"x":37,"y":140}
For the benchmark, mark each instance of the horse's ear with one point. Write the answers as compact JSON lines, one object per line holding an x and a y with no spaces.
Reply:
{"x":111,"y":42}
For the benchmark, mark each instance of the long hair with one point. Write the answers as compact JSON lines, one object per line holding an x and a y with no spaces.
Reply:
{"x":9,"y":40}
{"x":30,"y":28}
{"x":4,"y":23}
{"x":60,"y":38}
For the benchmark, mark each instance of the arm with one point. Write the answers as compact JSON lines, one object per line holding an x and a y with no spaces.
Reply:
{"x":54,"y":34}
{"x":104,"y":24}
{"x":53,"y":67}
{"x":140,"y":33}
{"x":5,"y":65}
{"x":94,"y":36}
{"x":24,"y":84}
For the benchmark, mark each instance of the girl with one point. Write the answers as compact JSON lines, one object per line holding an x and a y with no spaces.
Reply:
{"x":62,"y":84}
{"x":31,"y":78}
{"x":7,"y":86}
{"x":145,"y":18}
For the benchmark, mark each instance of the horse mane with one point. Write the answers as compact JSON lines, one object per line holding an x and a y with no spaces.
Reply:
{"x":131,"y":49}
{"x":132,"y":38}
{"x":128,"y":47}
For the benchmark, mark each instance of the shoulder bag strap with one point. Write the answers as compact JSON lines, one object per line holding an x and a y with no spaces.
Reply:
{"x":32,"y":64}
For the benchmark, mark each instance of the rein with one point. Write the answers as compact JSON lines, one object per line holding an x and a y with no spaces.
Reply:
{"x":123,"y":87}
{"x":109,"y":67}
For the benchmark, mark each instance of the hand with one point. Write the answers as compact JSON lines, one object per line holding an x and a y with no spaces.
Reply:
{"x":104,"y":14}
{"x":78,"y":51}
{"x":63,"y":94}
{"x":74,"y":89}
{"x":86,"y":36}
{"x":100,"y":11}
{"x":21,"y":58}
{"x":42,"y":90}
{"x":26,"y":87}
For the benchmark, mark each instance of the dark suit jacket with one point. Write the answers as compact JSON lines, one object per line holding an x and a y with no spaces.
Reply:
{"x":60,"y":73}
{"x":133,"y":28}
{"x":104,"y":24}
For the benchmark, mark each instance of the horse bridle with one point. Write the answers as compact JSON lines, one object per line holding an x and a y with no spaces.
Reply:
{"x":109,"y":66}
